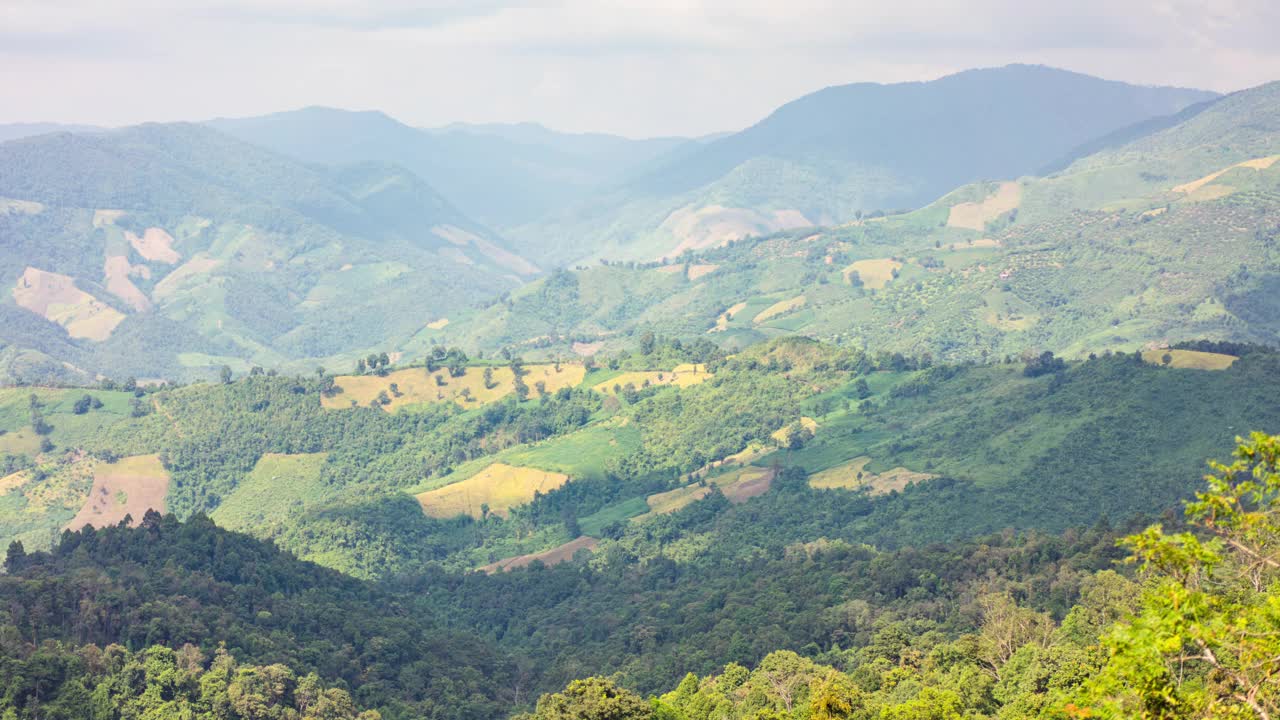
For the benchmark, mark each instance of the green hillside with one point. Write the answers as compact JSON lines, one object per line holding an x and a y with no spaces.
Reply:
{"x":502,"y":175}
{"x":1171,"y":236}
{"x":170,"y":250}
{"x":822,"y":159}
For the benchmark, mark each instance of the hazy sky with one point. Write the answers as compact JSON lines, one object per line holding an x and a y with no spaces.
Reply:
{"x":631,"y":68}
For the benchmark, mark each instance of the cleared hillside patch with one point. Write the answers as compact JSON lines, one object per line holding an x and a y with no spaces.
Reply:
{"x":130,"y":486}
{"x":1190,"y":359}
{"x":681,"y":376}
{"x":415,"y":386}
{"x":874,"y":274}
{"x":498,"y":486}
{"x":779,"y":308}
{"x":723,"y":320}
{"x":737,"y":485}
{"x":783,"y":434}
{"x":854,"y":475}
{"x":155,"y":245}
{"x":976,"y":215}
{"x":1255,"y":164}
{"x":554,"y":556}
{"x":56,"y":298}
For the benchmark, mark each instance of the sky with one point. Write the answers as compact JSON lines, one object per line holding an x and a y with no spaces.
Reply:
{"x":635,"y":69}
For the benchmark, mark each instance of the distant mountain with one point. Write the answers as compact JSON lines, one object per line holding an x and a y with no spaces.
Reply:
{"x":170,"y":249}
{"x":13,"y":131}
{"x":862,"y":147}
{"x":1169,"y":232}
{"x":500,"y":174}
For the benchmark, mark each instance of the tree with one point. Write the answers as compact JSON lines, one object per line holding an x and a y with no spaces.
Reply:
{"x":1205,"y":641}
{"x":14,"y":556}
{"x":647,"y":343}
{"x":82,"y":405}
{"x":488,"y":378}
{"x":594,"y":698}
{"x":861,"y":389}
{"x":225,"y":374}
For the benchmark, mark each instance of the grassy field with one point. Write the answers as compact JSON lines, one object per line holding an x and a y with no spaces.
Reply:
{"x":499,"y":486}
{"x":737,"y":485}
{"x":778,"y":308}
{"x":278,"y":487}
{"x":580,"y":454}
{"x":595,"y":523}
{"x":783,"y":434}
{"x":416,"y":386}
{"x":130,"y":486}
{"x":874,"y":274}
{"x":681,"y":376}
{"x":854,"y":475}
{"x":1190,"y":359}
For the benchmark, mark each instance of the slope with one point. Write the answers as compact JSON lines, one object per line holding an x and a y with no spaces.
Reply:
{"x":824,"y":157}
{"x":501,"y":175}
{"x":164,"y":249}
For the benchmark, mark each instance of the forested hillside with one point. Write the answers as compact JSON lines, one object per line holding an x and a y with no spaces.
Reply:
{"x":169,"y":250}
{"x":1169,"y":236}
{"x":830,"y":156}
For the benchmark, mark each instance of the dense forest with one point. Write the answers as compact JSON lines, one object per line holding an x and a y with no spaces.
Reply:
{"x":173,"y":619}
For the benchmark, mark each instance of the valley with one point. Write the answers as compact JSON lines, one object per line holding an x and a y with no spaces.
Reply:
{"x":943,"y":399}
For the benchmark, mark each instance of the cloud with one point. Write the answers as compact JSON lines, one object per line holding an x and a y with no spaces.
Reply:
{"x":639,"y":69}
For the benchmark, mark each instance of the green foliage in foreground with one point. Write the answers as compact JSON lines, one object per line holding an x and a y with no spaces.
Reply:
{"x":55,"y":681}
{"x":1195,"y":636}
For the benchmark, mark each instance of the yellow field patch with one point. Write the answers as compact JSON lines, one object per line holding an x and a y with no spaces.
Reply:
{"x":1190,"y":359}
{"x":55,"y":297}
{"x":975,"y":244}
{"x":554,"y":556}
{"x":874,"y":274}
{"x":697,"y":271}
{"x":499,"y":486}
{"x":722,"y":322}
{"x":1255,"y":164}
{"x":440,"y":324}
{"x":681,"y":376}
{"x":976,"y":215}
{"x":783,"y":434}
{"x":129,"y":486}
{"x":853,"y":475}
{"x":415,"y":385}
{"x":738,"y":486}
{"x":778,"y":308}
{"x":155,"y":245}
{"x":20,"y":442}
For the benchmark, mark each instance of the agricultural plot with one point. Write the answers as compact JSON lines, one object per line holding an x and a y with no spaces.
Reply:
{"x":1195,"y":186}
{"x":414,"y":386}
{"x":976,"y":215}
{"x":680,"y":376}
{"x":56,"y":298}
{"x":779,"y":308}
{"x":1190,"y":359}
{"x":874,"y":274}
{"x":581,"y":454}
{"x":130,"y":486}
{"x":497,"y":488}
{"x":279,"y":486}
{"x":554,"y":556}
{"x":783,"y":434}
{"x":853,"y":475}
{"x":737,"y":485}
